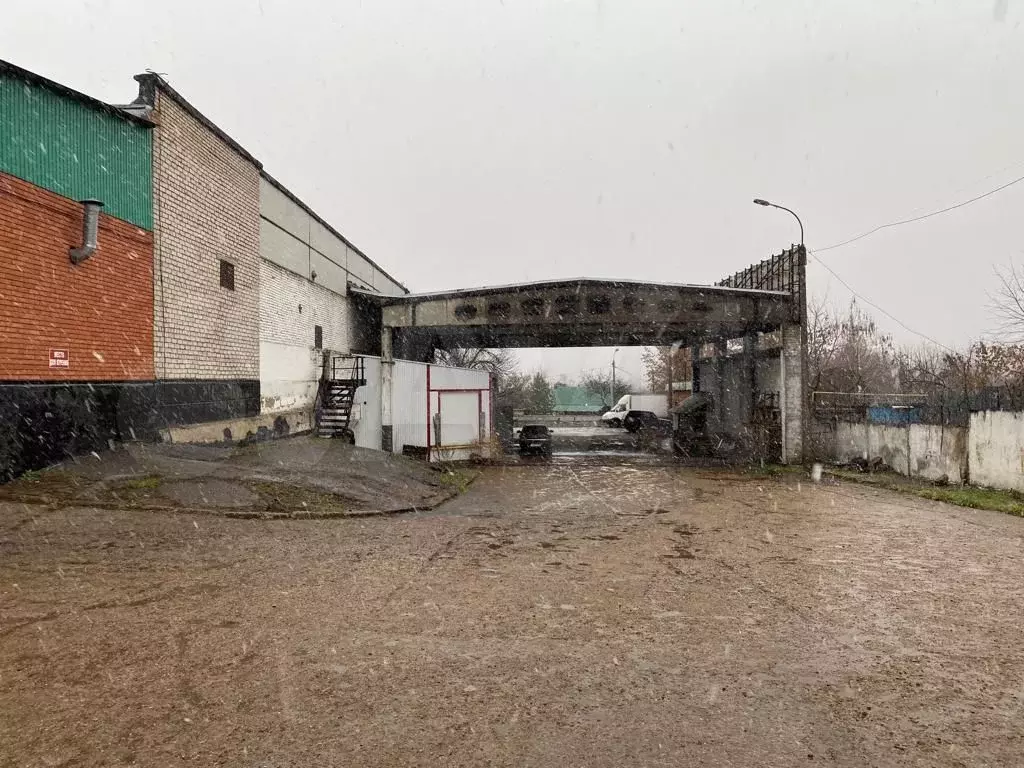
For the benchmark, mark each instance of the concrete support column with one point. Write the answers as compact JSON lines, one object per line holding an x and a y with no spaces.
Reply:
{"x":749,"y":377}
{"x":695,"y":368}
{"x":721,"y":412}
{"x":387,"y":386}
{"x":791,"y":392}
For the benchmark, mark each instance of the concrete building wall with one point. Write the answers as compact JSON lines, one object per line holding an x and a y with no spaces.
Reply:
{"x":306,"y":264}
{"x":732,"y":381}
{"x":291,"y":308}
{"x":310,"y":265}
{"x":98,"y":312}
{"x":295,"y":238}
{"x":767,"y":371}
{"x":996,"y":449}
{"x":206,"y":210}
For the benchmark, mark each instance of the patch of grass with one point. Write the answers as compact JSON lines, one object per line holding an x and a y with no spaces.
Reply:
{"x":774,"y":470}
{"x":144,"y":483}
{"x":284,"y":497}
{"x":32,"y":476}
{"x":457,"y":479}
{"x":977,"y":498}
{"x":1009,"y":502}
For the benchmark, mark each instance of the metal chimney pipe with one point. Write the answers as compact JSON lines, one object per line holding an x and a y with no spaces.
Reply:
{"x":90,"y":231}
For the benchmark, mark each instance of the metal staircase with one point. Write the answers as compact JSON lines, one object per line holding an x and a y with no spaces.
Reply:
{"x":342,"y":375}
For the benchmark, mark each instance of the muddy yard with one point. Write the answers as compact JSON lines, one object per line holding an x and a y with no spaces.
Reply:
{"x":568,"y":614}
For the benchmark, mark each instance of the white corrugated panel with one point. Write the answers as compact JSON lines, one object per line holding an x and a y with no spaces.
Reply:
{"x":409,"y":404}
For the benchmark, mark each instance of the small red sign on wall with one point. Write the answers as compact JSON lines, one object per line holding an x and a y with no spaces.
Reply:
{"x":60,"y":358}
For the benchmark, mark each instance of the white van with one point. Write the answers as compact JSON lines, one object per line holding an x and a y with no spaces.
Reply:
{"x":656,"y":404}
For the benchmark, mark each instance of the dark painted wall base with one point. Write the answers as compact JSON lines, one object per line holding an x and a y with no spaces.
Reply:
{"x":43,"y":423}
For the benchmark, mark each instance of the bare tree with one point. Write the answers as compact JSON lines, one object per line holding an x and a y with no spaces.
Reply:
{"x":657,"y":362}
{"x":849,"y":353}
{"x":600,"y":383}
{"x":823,"y":332}
{"x":1007,"y":304}
{"x":502,"y":363}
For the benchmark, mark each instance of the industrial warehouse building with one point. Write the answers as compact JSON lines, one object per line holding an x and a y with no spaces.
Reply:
{"x":156,"y":283}
{"x":210,"y":304}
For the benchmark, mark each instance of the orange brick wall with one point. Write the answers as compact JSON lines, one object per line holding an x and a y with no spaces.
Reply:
{"x":101,"y":311}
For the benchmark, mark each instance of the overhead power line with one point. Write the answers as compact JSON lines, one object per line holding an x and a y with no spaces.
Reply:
{"x":901,"y":222}
{"x":885,"y":312}
{"x":922,"y":216}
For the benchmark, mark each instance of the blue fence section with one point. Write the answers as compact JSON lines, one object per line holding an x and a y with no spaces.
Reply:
{"x":895,"y":415}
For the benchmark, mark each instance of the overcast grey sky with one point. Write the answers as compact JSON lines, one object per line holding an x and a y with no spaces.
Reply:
{"x":468,"y":142}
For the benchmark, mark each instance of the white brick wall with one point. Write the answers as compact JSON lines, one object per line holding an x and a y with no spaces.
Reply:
{"x":206,"y":208}
{"x":289,"y":363}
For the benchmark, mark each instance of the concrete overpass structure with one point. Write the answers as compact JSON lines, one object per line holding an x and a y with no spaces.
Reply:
{"x":765,"y":299}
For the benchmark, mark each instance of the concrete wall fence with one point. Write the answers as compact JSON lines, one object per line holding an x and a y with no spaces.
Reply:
{"x":988,"y":452}
{"x":925,"y":451}
{"x":996,"y":449}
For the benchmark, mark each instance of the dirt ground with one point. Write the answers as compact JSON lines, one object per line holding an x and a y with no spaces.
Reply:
{"x":564,"y":614}
{"x":280,"y":477}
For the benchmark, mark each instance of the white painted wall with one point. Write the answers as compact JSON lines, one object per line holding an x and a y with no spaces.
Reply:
{"x":460,"y":402}
{"x":366,"y":413}
{"x":290,"y":309}
{"x":996,"y":449}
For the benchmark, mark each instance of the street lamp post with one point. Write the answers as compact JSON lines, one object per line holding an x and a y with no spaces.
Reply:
{"x":802,"y":280}
{"x":612,"y":393}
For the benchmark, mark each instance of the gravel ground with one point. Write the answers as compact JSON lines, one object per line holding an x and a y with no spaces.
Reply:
{"x":568,"y":614}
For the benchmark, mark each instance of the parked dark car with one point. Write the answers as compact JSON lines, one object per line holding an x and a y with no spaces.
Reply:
{"x":634,"y":421}
{"x":535,"y":438}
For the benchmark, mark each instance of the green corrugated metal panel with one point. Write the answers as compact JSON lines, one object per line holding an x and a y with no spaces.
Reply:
{"x":76,"y":150}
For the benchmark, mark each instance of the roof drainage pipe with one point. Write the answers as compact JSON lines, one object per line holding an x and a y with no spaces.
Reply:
{"x":90,"y":231}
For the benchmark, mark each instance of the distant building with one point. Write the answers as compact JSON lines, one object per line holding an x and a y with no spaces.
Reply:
{"x":577,"y":401}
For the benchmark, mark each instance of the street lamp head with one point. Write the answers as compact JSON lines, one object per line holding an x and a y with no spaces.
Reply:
{"x":759,"y":201}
